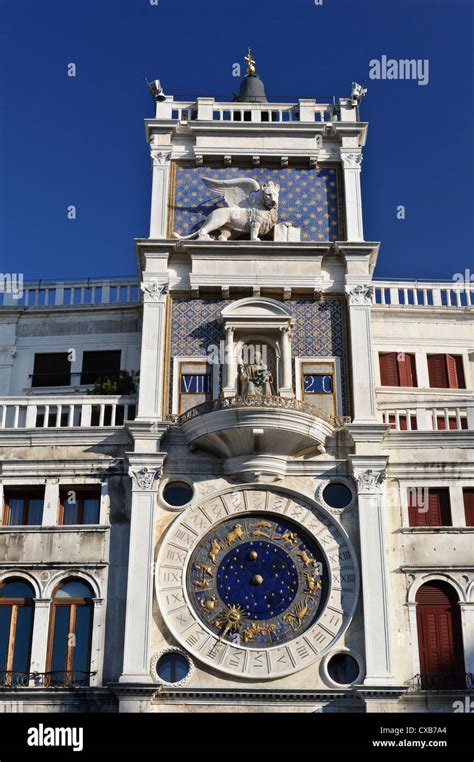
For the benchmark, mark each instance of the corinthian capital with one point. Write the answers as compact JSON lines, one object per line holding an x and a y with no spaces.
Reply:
{"x":153,"y":291}
{"x":144,"y":478}
{"x":159,"y":158}
{"x":351,"y":160}
{"x":369,"y":481}
{"x":361,"y":294}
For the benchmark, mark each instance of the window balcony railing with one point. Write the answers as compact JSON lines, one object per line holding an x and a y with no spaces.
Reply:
{"x":257,"y":401}
{"x":442,"y":681}
{"x":61,"y":411}
{"x":422,"y":416}
{"x":54,"y":679}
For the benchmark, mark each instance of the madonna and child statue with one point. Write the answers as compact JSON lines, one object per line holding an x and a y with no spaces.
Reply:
{"x":255,"y":378}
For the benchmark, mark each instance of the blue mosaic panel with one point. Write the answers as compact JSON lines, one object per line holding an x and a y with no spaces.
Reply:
{"x":319,"y":329}
{"x":308,"y":197}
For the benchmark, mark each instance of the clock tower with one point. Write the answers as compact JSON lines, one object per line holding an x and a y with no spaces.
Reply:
{"x":257,"y":551}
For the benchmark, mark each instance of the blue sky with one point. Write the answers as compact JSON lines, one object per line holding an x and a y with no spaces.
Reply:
{"x":81,"y":140}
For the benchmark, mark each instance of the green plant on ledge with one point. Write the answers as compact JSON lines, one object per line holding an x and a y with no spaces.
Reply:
{"x":122,"y":383}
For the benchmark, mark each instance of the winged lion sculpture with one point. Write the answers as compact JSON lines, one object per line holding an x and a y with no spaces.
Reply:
{"x":251,"y":208}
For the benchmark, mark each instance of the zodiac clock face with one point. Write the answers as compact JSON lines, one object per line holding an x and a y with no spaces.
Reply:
{"x":257,"y":580}
{"x":256,"y":583}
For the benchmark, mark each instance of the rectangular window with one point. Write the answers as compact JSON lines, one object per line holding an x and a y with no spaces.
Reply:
{"x":51,"y":369}
{"x":429,"y":507}
{"x":23,"y":508}
{"x":79,"y":506}
{"x":96,"y":365}
{"x":397,"y":369}
{"x":317,"y":383}
{"x":446,"y":372}
{"x":468,"y":494}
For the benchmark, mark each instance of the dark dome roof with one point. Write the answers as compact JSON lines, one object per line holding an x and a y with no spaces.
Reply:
{"x":252,"y":90}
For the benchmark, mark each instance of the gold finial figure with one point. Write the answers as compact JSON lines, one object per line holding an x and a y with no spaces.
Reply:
{"x":250,"y":63}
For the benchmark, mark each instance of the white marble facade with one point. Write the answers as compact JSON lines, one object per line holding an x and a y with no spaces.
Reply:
{"x":271,"y":456}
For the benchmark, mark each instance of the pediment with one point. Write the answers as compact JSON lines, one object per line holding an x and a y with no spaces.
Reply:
{"x":256,"y":308}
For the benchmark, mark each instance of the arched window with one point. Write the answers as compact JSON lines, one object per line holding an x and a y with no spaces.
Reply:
{"x":440,"y":636}
{"x":70,"y":634}
{"x":16,"y":628}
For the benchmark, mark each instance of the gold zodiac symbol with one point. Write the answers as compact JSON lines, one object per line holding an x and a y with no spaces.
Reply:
{"x":208,"y":603}
{"x":202,"y":582}
{"x":250,"y":633}
{"x":307,"y":560}
{"x":262,"y":524}
{"x":260,"y":533}
{"x":290,"y":537}
{"x":295,"y":618}
{"x":215,"y":548}
{"x":237,"y":533}
{"x":204,"y":569}
{"x":312,"y":584}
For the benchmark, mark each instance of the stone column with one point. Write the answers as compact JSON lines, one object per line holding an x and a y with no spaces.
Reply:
{"x":159,"y":189}
{"x":97,"y":644}
{"x":467,"y":619}
{"x":7,"y":355}
{"x":230,"y":387}
{"x":104,"y":503}
{"x":369,"y":474}
{"x":51,"y":503}
{"x":145,"y":472}
{"x":151,"y":363}
{"x":286,"y":389}
{"x":458,"y":514}
{"x":39,"y":641}
{"x":351,"y":159}
{"x":360,"y":299}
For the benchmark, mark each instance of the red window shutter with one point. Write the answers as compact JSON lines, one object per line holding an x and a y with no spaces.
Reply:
{"x":460,"y":371}
{"x":439,"y":631}
{"x":439,"y":511}
{"x":437,"y":371}
{"x":417,"y":516}
{"x":406,"y":370}
{"x":452,"y":370}
{"x":469,"y":506}
{"x":389,"y":369}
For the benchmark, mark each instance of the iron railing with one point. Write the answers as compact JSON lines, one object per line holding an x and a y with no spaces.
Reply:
{"x":442,"y":681}
{"x":53,"y":679}
{"x":257,"y":401}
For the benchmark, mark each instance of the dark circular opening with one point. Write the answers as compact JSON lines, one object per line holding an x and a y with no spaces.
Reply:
{"x":337,"y":495}
{"x":343,"y":669}
{"x":172,"y":668}
{"x":177,"y":493}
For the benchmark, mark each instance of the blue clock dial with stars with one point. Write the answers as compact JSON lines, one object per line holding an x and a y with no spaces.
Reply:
{"x":257,"y":580}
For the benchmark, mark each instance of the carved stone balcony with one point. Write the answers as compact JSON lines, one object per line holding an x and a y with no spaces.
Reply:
{"x":255,"y":425}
